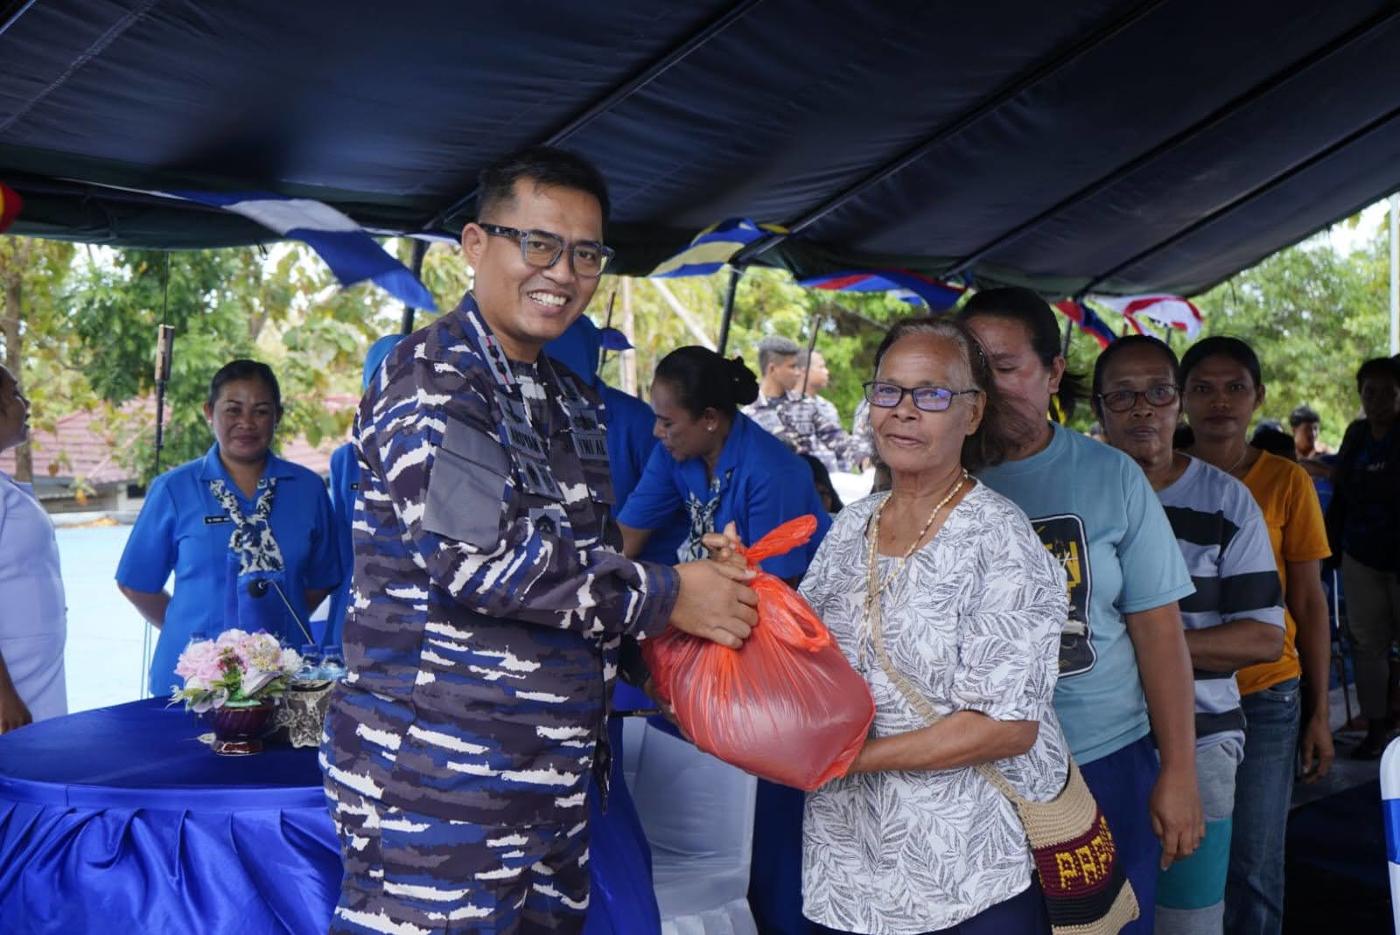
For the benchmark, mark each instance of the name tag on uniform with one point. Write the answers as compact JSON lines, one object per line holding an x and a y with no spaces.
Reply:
{"x":215,"y":520}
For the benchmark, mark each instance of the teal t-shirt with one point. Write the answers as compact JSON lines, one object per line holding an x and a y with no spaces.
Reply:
{"x":1095,"y":511}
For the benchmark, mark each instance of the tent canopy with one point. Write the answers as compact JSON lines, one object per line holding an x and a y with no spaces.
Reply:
{"x":1117,"y":146}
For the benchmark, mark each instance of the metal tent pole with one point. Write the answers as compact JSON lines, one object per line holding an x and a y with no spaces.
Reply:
{"x":420,"y":247}
{"x":1395,"y":273}
{"x":735,"y":274}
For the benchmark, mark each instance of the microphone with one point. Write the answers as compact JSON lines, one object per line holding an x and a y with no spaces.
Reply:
{"x":258,"y":588}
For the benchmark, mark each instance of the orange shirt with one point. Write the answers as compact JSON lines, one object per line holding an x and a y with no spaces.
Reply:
{"x":1286,"y":497}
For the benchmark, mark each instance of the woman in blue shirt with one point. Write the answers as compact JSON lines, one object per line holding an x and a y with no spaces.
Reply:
{"x":719,"y":466}
{"x":345,"y":485}
{"x":249,"y":536}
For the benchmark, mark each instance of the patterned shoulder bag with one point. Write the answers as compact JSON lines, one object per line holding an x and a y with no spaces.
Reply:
{"x":1076,"y":860}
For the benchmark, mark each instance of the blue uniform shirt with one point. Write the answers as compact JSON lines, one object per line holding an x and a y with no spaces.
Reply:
{"x":183,"y":529}
{"x":759,"y":485}
{"x":345,"y":482}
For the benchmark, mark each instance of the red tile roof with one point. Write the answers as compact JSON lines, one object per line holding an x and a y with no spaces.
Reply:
{"x":84,"y":444}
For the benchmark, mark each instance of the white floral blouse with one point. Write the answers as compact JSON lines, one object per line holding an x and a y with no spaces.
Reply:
{"x":973,"y":622}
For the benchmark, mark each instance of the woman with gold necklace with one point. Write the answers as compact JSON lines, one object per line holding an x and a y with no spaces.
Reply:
{"x":938,"y":593}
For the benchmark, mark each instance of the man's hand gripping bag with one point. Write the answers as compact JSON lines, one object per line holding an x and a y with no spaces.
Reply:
{"x":787,"y":706}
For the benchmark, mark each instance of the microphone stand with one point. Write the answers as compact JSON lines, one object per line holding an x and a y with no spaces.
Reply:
{"x":258,"y":588}
{"x":165,"y":347}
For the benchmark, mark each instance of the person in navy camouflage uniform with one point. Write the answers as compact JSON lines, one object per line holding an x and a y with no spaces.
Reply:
{"x":489,"y":598}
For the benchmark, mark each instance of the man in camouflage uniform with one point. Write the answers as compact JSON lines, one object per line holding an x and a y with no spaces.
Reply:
{"x":799,"y":421}
{"x":489,"y":599}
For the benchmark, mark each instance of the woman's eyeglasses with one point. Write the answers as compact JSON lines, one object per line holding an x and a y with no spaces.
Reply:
{"x":542,"y":249}
{"x":1163,"y":394}
{"x":926,"y":398}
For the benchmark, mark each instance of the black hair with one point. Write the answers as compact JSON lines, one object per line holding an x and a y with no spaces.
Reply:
{"x":5,"y":373}
{"x":1127,"y":343}
{"x":1026,"y":306}
{"x":1377,"y":367}
{"x":1275,"y":441}
{"x":1222,"y":346}
{"x":244,"y":369}
{"x":772,"y":348}
{"x":704,"y":380}
{"x":1302,"y":416}
{"x":826,"y":490}
{"x":546,"y":166}
{"x":992,"y":441}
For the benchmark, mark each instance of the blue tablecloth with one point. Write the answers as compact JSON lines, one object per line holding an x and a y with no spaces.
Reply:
{"x":120,"y":820}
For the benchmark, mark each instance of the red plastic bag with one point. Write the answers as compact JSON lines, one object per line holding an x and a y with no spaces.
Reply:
{"x":787,"y":706}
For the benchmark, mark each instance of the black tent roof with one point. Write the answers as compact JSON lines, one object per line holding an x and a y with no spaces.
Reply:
{"x":1108,"y":145}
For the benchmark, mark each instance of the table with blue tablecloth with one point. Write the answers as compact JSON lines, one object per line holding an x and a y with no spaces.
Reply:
{"x":122,"y":820}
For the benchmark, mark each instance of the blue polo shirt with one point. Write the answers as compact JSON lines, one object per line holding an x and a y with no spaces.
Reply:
{"x":183,"y":529}
{"x":761,"y":485}
{"x":345,"y":484}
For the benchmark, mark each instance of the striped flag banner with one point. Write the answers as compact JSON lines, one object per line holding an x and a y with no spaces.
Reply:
{"x":348,"y":249}
{"x":910,"y":287}
{"x":1173,"y":311}
{"x":714,"y":247}
{"x":10,"y":203}
{"x":1088,"y":321}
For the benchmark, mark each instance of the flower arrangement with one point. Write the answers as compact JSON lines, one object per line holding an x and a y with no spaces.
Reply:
{"x":235,"y":670}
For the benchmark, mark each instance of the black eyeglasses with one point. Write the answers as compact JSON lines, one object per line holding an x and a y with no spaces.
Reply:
{"x":542,"y":249}
{"x":1163,"y":394}
{"x":927,"y":398}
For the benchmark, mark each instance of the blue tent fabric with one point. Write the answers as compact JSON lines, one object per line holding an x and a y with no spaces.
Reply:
{"x":1121,"y":146}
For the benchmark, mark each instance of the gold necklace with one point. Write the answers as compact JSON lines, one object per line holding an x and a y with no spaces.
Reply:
{"x":873,"y":593}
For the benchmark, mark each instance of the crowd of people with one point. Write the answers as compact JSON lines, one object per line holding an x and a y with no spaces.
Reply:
{"x":505,"y":530}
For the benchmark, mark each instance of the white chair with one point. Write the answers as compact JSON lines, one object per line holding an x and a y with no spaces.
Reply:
{"x":1390,"y":803}
{"x":698,"y":815}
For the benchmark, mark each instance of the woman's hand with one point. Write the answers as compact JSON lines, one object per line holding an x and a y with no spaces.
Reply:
{"x":725,"y":547}
{"x":1318,"y":752}
{"x":1175,"y":807}
{"x":13,"y":711}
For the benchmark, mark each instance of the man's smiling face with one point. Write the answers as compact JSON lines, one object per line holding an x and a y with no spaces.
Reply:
{"x":525,"y":306}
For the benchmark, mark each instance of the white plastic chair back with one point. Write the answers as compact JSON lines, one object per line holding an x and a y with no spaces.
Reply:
{"x":1390,"y":800}
{"x":698,"y":815}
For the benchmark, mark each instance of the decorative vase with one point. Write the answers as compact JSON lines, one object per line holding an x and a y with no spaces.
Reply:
{"x":239,"y":731}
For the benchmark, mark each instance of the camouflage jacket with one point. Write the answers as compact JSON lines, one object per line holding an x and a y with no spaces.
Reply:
{"x":807,"y":427}
{"x":489,"y":599}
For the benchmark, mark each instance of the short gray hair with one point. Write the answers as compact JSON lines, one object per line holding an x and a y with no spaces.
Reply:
{"x":771,"y":349}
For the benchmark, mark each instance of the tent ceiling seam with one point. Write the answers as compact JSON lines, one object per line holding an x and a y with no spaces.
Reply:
{"x":97,"y":47}
{"x":622,"y":92}
{"x":1018,"y":85}
{"x":1256,"y":93}
{"x":1286,"y":175}
{"x":13,"y":17}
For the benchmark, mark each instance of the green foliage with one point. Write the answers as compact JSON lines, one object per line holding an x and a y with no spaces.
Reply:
{"x":768,"y":303}
{"x":1312,"y":315}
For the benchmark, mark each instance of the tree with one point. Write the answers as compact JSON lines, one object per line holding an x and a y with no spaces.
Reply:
{"x":768,"y":302}
{"x":32,"y":274}
{"x":282,"y":307}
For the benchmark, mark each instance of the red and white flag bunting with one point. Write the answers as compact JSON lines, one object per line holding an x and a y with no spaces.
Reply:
{"x":1170,"y":310}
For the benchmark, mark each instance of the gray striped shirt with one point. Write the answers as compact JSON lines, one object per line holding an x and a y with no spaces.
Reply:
{"x":1225,"y":543}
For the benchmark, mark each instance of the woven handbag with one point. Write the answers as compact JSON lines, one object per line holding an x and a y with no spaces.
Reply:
{"x":1086,"y":891}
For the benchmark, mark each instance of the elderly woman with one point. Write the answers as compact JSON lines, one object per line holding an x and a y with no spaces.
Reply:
{"x":946,"y":580}
{"x":1235,"y":618}
{"x":250,"y":537}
